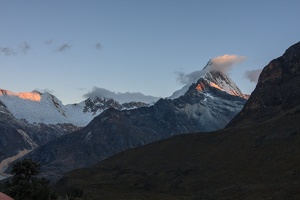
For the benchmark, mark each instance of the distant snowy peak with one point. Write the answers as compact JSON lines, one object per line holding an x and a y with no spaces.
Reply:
{"x":35,"y":107}
{"x":212,"y":78}
{"x":95,"y":104}
{"x":32,"y":96}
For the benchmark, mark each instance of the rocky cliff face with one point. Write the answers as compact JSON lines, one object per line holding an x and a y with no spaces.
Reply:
{"x":96,"y":105}
{"x":277,"y":91}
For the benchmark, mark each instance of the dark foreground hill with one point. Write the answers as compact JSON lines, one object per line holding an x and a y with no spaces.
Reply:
{"x":257,"y":157}
{"x":238,"y":163}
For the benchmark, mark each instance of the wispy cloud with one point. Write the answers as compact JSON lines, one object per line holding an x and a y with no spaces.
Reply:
{"x":120,"y":97}
{"x":64,"y":47}
{"x":184,"y":78}
{"x":45,"y":90}
{"x":221,"y":63}
{"x":24,"y":47}
{"x":48,"y":42}
{"x":252,"y":75}
{"x":98,"y":46}
{"x":7,"y":51}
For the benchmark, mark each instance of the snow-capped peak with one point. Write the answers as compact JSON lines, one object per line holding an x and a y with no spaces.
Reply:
{"x":36,"y":107}
{"x":216,"y":79}
{"x":45,"y":108}
{"x":32,"y":96}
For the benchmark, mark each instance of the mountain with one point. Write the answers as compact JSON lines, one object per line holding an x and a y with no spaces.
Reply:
{"x":277,"y":92}
{"x":206,"y":106}
{"x":17,"y":137}
{"x":31,"y":119}
{"x":255,"y":157}
{"x":214,"y":78}
{"x":45,"y":108}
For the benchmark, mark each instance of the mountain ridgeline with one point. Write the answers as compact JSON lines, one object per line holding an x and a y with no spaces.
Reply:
{"x":209,"y":104}
{"x":31,"y":119}
{"x":45,"y":108}
{"x":255,"y":157}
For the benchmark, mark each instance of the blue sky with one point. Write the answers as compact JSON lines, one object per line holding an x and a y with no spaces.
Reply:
{"x":68,"y":47}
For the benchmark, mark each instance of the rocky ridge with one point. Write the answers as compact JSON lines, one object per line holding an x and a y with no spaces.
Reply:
{"x":277,"y":91}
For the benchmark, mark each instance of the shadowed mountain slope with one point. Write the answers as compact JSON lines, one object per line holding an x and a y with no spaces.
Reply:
{"x":17,"y":137}
{"x":277,"y":90}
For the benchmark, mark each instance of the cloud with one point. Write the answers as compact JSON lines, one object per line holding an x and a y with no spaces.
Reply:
{"x":100,"y":92}
{"x":221,"y":63}
{"x":44,"y":90}
{"x":120,"y":97}
{"x":98,"y":46}
{"x":183,"y":78}
{"x":81,"y":89}
{"x":64,"y":47}
{"x":225,"y":63}
{"x":7,"y":51}
{"x":48,"y":42}
{"x":24,"y":47}
{"x":252,"y":75}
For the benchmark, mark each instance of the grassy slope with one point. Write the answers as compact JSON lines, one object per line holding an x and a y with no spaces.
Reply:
{"x":249,"y":162}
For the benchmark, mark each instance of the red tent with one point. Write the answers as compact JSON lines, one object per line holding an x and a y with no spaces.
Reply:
{"x":5,"y":197}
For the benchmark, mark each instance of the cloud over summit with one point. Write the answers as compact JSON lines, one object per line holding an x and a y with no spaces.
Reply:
{"x":44,"y":90}
{"x":225,"y":63}
{"x":221,"y":63}
{"x":120,"y":97}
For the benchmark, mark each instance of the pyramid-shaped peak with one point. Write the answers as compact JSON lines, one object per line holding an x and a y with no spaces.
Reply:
{"x":211,"y":76}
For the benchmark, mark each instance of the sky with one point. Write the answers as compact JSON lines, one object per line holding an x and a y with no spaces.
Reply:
{"x":70,"y":47}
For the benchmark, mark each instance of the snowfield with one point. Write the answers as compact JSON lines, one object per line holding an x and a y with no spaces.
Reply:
{"x":48,"y":110}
